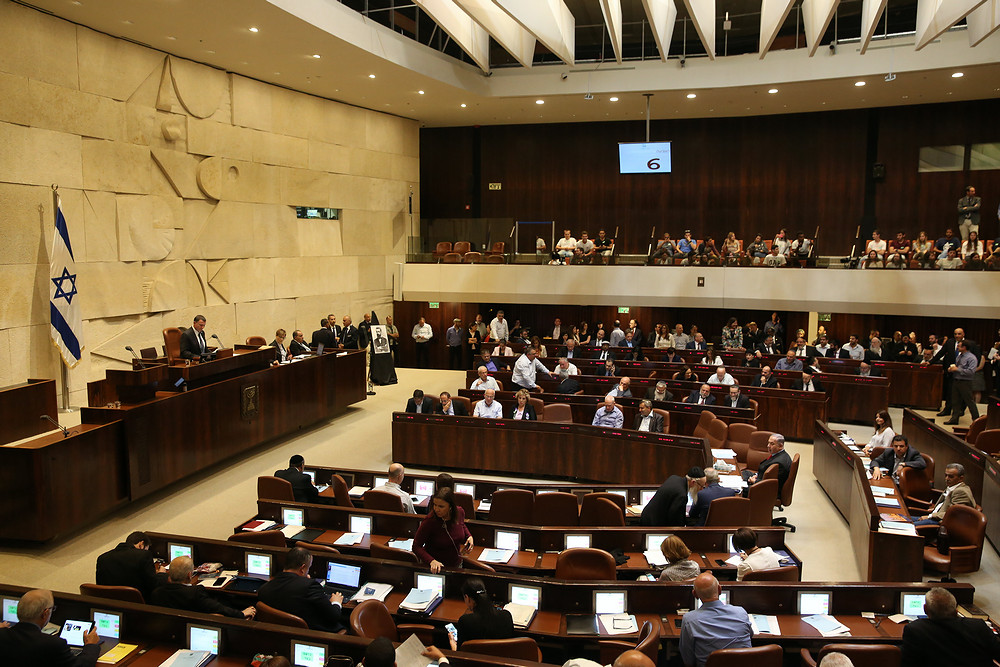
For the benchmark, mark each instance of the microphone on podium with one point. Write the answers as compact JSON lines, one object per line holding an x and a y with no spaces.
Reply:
{"x":65,"y":431}
{"x":221,"y":345}
{"x":137,"y":357}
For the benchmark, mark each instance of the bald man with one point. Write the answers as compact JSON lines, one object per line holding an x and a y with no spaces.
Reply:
{"x":182,"y":592}
{"x":713,"y":626}
{"x":396,"y":474}
{"x":24,"y":644}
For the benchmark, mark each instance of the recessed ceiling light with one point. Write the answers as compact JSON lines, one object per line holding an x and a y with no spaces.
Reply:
{"x":171,"y":38}
{"x":539,"y":101}
{"x":859,"y":83}
{"x":210,"y":51}
{"x":772,"y":91}
{"x":420,"y":92}
{"x":254,"y":29}
{"x":957,"y":75}
{"x":613,"y":99}
{"x":371,"y":76}
{"x":317,"y":56}
{"x":463,"y":105}
{"x":691,"y":96}
{"x":75,"y":2}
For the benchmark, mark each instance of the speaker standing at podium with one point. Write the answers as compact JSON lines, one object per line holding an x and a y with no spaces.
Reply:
{"x":193,"y":342}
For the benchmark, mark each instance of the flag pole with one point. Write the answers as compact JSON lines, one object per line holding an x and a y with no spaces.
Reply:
{"x":66,"y":407}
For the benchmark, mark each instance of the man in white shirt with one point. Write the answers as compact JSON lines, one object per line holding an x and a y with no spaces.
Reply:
{"x":621,"y":390}
{"x":488,"y":407}
{"x":556,"y":329}
{"x":396,"y":474}
{"x":422,"y":334}
{"x":823,"y":346}
{"x":565,"y":369}
{"x":498,"y":327}
{"x":484,"y":381}
{"x":608,"y":415}
{"x":853,"y":349}
{"x":586,"y":247}
{"x":775,"y":258}
{"x":678,"y":339}
{"x":877,"y":244}
{"x":566,"y":245}
{"x":721,"y":377}
{"x":526,"y":369}
{"x":647,"y":420}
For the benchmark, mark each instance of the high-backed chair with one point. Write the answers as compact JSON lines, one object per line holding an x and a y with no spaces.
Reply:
{"x":718,"y":433}
{"x":666,"y":418}
{"x":756,"y":450}
{"x":268,"y":614}
{"x":172,"y":345}
{"x":538,"y":404}
{"x":495,"y":259}
{"x":734,"y":511}
{"x":860,"y":655}
{"x":385,"y":552}
{"x":442,"y":248}
{"x":556,"y":509}
{"x":785,"y":497}
{"x":977,"y":427}
{"x":966,"y":528}
{"x":755,"y":406}
{"x":265,"y":538}
{"x":512,"y":506}
{"x":783,"y":573}
{"x":274,"y":488}
{"x":374,"y":499}
{"x":930,"y":464}
{"x":916,"y":489}
{"x":989,"y":441}
{"x":701,"y":428}
{"x":762,"y":496}
{"x":472,"y":257}
{"x":585,"y":565}
{"x":371,"y":619}
{"x":464,"y":401}
{"x":769,"y":655}
{"x":256,"y":340}
{"x":312,"y":546}
{"x":340,"y":491}
{"x":588,"y":506}
{"x":462,"y":247}
{"x":123,"y":593}
{"x":606,"y":513}
{"x":738,"y":439}
{"x":148,"y":353}
{"x":557,"y":412}
{"x":649,"y":644}
{"x":497,"y":248}
{"x":518,"y":648}
{"x":452,"y":258}
{"x":470,"y":563}
{"x":466,"y":502}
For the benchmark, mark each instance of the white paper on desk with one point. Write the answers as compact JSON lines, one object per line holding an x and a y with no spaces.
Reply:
{"x":347,"y":539}
{"x":291,"y":531}
{"x":495,"y":555}
{"x":723,"y":454}
{"x":881,"y":491}
{"x":655,"y":557}
{"x":734,"y":560}
{"x":887,"y":502}
{"x":408,"y":654}
{"x":901,"y":618}
{"x":764,"y":625}
{"x":827,"y":625}
{"x":405,"y":545}
{"x":619,"y":624}
{"x":372,"y":591}
{"x":732,"y":482}
{"x":484,"y":506}
{"x":357,"y":491}
{"x":635,"y":509}
{"x":900,"y":527}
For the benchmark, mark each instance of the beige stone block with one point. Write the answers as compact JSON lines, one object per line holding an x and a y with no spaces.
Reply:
{"x":411,"y":139}
{"x":248,"y":182}
{"x":362,"y":234}
{"x":281,"y":150}
{"x":40,"y":157}
{"x":110,"y":289}
{"x":180,"y":170}
{"x":15,"y":101}
{"x":209,"y":177}
{"x":144,"y":126}
{"x":26,"y":295}
{"x":6,"y":371}
{"x":33,"y":355}
{"x":384,"y":133}
{"x":374,"y":164}
{"x":220,"y":320}
{"x":213,"y":139}
{"x":227,"y":233}
{"x":275,"y":232}
{"x":200,"y":89}
{"x":340,"y":124}
{"x":251,"y":103}
{"x":371,"y":273}
{"x":25,"y":215}
{"x":348,"y":191}
{"x":263,"y":318}
{"x":146,"y":225}
{"x":116,"y":166}
{"x":107,"y":337}
{"x":170,"y":285}
{"x":405,"y":168}
{"x":329,"y":157}
{"x":67,"y":110}
{"x":38,"y":46}
{"x":295,"y":277}
{"x":114,"y":68}
{"x":296,"y":114}
{"x":196,"y":214}
{"x":304,"y":187}
{"x":252,"y":279}
{"x":319,"y":238}
{"x":100,"y":224}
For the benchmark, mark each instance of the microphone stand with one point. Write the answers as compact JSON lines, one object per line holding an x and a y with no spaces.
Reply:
{"x":65,"y":431}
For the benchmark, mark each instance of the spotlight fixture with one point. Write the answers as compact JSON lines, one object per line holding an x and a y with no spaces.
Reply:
{"x":890,"y":77}
{"x":539,"y":101}
{"x":254,"y":29}
{"x":588,"y":96}
{"x":371,"y":76}
{"x":682,"y":61}
{"x":420,"y":92}
{"x":462,"y":105}
{"x":859,"y":84}
{"x":957,"y":75}
{"x":612,"y":99}
{"x":317,"y":56}
{"x":772,"y":91}
{"x":691,"y":96}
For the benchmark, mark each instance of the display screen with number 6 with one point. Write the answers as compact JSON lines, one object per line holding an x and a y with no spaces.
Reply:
{"x":651,"y":158}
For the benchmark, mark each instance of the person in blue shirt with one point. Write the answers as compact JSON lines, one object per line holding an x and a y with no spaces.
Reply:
{"x":713,"y":626}
{"x":608,"y":414}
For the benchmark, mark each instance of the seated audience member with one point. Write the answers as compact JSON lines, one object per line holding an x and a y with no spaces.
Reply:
{"x":974,"y":263}
{"x":906,"y":351}
{"x":945,"y":638}
{"x":608,"y":414}
{"x":298,"y":345}
{"x":852,"y":350}
{"x":756,"y":250}
{"x":679,"y":567}
{"x":659,"y":392}
{"x":895,"y":260}
{"x":670,"y":504}
{"x":800,"y":248}
{"x":876,"y":245}
{"x":710,"y":358}
{"x":752,"y":360}
{"x":900,"y":244}
{"x":293,"y":591}
{"x":686,"y":374}
{"x":523,"y":409}
{"x":629,"y":349}
{"x":927,"y":356}
{"x":441,"y":532}
{"x":661,"y":337}
{"x":712,"y":626}
{"x":697,"y":342}
{"x":665,"y":249}
{"x":769,"y":346}
{"x":971,"y":246}
{"x":898,"y":456}
{"x":765,"y":379}
{"x":712,"y":490}
{"x":569,"y":350}
{"x":753,"y":557}
{"x":732,"y":335}
{"x":678,"y":339}
{"x":646,"y":419}
{"x":875,"y":351}
{"x":420,"y":404}
{"x":608,"y":369}
{"x":923,"y":250}
{"x":303,"y":489}
{"x":883,"y":435}
{"x":486,"y":360}
{"x":687,"y":246}
{"x":808,"y":382}
{"x":789,"y":363}
{"x":721,"y":377}
{"x":565,"y":369}
{"x":482,"y":619}
{"x":622,"y":389}
{"x":130,"y":564}
{"x":670,"y":356}
{"x":801,"y":349}
{"x":736,"y":399}
{"x":947,"y":243}
{"x":835,"y":659}
{"x":823,"y":347}
{"x":599,"y":337}
{"x":950,"y":262}
{"x":867,"y":370}
{"x":871,"y":261}
{"x":536,"y":343}
{"x":182,"y":592}
{"x":489,"y":407}
{"x":752,"y":336}
{"x":281,"y":354}
{"x":502,"y":349}
{"x":24,"y":644}
{"x":604,"y":245}
{"x":566,"y":245}
{"x":957,"y":492}
{"x":446,"y":406}
{"x":393,"y":485}
{"x":706,"y":254}
{"x":774,"y":258}
{"x":993,"y":261}
{"x":732,"y":249}
{"x":604,"y":352}
{"x":811,"y":365}
{"x":380,"y":653}
{"x":702,"y":396}
{"x":484,"y":381}
{"x":781,"y":242}
{"x":587,"y":251}
{"x":777,"y":456}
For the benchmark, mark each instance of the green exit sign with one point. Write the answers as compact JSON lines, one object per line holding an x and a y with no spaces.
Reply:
{"x":623,"y":310}
{"x":434,"y":304}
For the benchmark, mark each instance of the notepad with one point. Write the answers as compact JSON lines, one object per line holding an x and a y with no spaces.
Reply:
{"x":887,"y":502}
{"x":117,"y":653}
{"x":827,"y":625}
{"x":764,"y":625}
{"x":348,"y":539}
{"x":881,"y":491}
{"x":618,"y":624}
{"x":405,"y":545}
{"x":372,"y":591}
{"x":496,"y":555}
{"x":655,"y":557}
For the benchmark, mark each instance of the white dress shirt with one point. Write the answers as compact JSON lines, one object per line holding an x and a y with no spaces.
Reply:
{"x":489,"y":383}
{"x":525,"y":371}
{"x":499,"y":329}
{"x":422,"y":334}
{"x":494,"y":411}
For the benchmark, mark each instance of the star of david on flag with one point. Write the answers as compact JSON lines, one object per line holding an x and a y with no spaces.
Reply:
{"x":64,"y":305}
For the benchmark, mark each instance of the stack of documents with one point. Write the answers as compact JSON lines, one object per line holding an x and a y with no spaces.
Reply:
{"x":827,"y":625}
{"x":405,"y":545}
{"x":419,"y":600}
{"x":116,"y":653}
{"x":187,"y":658}
{"x":723,"y":454}
{"x":883,"y":501}
{"x":655,"y":558}
{"x":496,"y":555}
{"x":618,"y":624}
{"x":901,"y":527}
{"x":522,"y":614}
{"x":347,"y":539}
{"x":764,"y":625}
{"x":357,"y":491}
{"x":372,"y":591}
{"x":258,"y":525}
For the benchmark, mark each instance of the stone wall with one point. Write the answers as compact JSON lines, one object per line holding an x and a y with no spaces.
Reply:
{"x":179,"y":183}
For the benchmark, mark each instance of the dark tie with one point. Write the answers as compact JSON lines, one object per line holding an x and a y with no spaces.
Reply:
{"x":201,"y":339}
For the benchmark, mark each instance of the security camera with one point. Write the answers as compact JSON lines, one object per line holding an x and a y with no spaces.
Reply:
{"x":564,"y":76}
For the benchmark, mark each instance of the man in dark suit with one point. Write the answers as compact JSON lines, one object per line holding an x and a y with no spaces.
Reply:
{"x":420,"y":403}
{"x":604,"y":352}
{"x":698,"y":343}
{"x":569,"y":350}
{"x":302,"y":487}
{"x":629,"y":348}
{"x":712,"y":490}
{"x":25,"y":644}
{"x":647,"y":420}
{"x":607,"y":370}
{"x":350,"y":338}
{"x":365,"y":331}
{"x":293,"y":591}
{"x":668,"y":506}
{"x":736,"y":399}
{"x":765,"y":379}
{"x":193,"y":343}
{"x":769,"y":346}
{"x":777,"y":456}
{"x":298,"y":345}
{"x":945,"y":638}
{"x":808,"y":382}
{"x":323,"y":335}
{"x":866,"y":370}
{"x":450,"y":407}
{"x":701,"y":397}
{"x":182,"y":592}
{"x":334,"y":327}
{"x":659,"y":392}
{"x":901,"y":455}
{"x":130,"y":564}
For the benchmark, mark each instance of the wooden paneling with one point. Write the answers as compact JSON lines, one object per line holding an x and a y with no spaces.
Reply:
{"x":21,"y":407}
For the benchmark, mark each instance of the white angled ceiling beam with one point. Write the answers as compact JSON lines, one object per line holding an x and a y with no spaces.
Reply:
{"x":871,"y":12}
{"x":702,"y":13}
{"x":983,"y":21}
{"x":816,"y":17}
{"x":662,"y":15}
{"x":468,"y":34}
{"x":612,"y":10}
{"x":772,"y":16}
{"x":550,"y":21}
{"x":936,"y":16}
{"x":506,"y":31}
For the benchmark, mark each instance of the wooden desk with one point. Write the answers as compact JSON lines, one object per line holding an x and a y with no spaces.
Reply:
{"x":21,"y":405}
{"x":881,"y":556}
{"x":238,"y":362}
{"x":531,"y":448}
{"x":910,"y":385}
{"x":128,"y":386}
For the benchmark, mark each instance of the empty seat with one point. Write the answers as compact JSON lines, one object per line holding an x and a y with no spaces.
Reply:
{"x":256,"y":340}
{"x":265,"y":538}
{"x":268,"y":614}
{"x":340,"y":491}
{"x":466,"y":502}
{"x":734,"y":511}
{"x":472,"y":257}
{"x":769,"y":655}
{"x":738,"y":439}
{"x":512,"y":506}
{"x":666,"y":418}
{"x":605,"y":512}
{"x":762,"y":496}
{"x":442,"y":248}
{"x":589,"y":515}
{"x":558,"y":412}
{"x":916,"y":489}
{"x":649,"y":644}
{"x":452,"y":258}
{"x":988,"y":441}
{"x":274,"y":488}
{"x":371,"y":619}
{"x":375,"y":499}
{"x":718,"y":433}
{"x":385,"y":552}
{"x":977,"y":427}
{"x":556,"y":509}
{"x":123,"y":593}
{"x":495,"y":259}
{"x":518,"y":648}
{"x":701,"y":428}
{"x":172,"y":345}
{"x":585,"y":565}
{"x":966,"y":528}
{"x":462,"y":247}
{"x":497,"y":248}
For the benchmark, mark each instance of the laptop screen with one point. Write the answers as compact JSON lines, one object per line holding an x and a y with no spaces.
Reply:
{"x":814,"y":602}
{"x":654,"y":540}
{"x":577,"y":541}
{"x":912,"y":604}
{"x":423,"y":487}
{"x":292,"y":517}
{"x":312,"y":475}
{"x":175,"y":550}
{"x":646,"y":496}
{"x":348,"y":576}
{"x":201,"y":638}
{"x":308,"y":655}
{"x":361,"y":524}
{"x":433,"y":582}
{"x":380,"y":481}
{"x":73,"y":632}
{"x":526,"y":595}
{"x":258,"y":564}
{"x":508,"y":539}
{"x":466,"y":488}
{"x":723,"y":598}
{"x":10,"y":610}
{"x":108,"y":623}
{"x":609,"y":602}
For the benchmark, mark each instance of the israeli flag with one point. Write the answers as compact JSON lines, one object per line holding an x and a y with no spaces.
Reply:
{"x":64,"y":301}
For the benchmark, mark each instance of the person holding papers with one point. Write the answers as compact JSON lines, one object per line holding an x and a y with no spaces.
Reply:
{"x":891,"y":460}
{"x":679,"y":566}
{"x":754,"y":557}
{"x":483,"y":620}
{"x":713,"y":626}
{"x":443,"y":538}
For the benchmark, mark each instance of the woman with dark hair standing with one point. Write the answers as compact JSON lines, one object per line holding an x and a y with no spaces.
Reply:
{"x":443,"y":538}
{"x":483,"y":620}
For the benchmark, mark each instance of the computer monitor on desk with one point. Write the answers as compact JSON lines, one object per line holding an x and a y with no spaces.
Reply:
{"x":424,"y":487}
{"x":178,"y":550}
{"x":912,"y":604}
{"x":466,"y":488}
{"x":577,"y":541}
{"x":610,"y":602}
{"x":509,"y":540}
{"x":814,"y":602}
{"x":308,"y":655}
{"x":258,"y":564}
{"x":10,"y":610}
{"x":204,"y":638}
